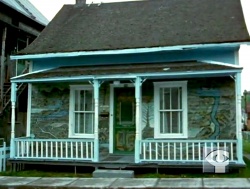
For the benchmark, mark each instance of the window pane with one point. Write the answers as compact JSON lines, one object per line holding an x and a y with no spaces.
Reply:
{"x":79,"y":117}
{"x":84,"y":100}
{"x":176,"y":98}
{"x":176,"y":122}
{"x":84,"y":123}
{"x":165,"y":98}
{"x":170,"y":122}
{"x":126,"y":113}
{"x":164,"y":122}
{"x":89,"y":123}
{"x":89,"y":101}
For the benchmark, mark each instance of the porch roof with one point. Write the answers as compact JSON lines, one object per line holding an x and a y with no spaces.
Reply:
{"x":130,"y":71}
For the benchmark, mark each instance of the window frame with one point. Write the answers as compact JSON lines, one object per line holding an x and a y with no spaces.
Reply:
{"x":170,"y":84}
{"x":72,"y":133}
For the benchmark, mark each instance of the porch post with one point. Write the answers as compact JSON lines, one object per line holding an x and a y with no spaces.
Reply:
{"x":138,"y":83}
{"x":13,"y":118}
{"x":96,"y":85}
{"x":238,"y":118}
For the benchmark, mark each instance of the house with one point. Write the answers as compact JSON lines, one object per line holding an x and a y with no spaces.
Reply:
{"x":130,"y":84}
{"x":20,"y":24}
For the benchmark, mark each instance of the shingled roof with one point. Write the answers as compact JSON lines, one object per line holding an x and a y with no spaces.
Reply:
{"x":140,"y":24}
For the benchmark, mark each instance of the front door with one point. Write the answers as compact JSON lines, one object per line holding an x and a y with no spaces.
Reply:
{"x":124,"y":120}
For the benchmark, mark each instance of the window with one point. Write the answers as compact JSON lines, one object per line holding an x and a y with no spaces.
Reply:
{"x":170,"y":99}
{"x":81,"y":120}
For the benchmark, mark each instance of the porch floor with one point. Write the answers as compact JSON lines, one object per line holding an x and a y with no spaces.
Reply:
{"x":114,"y":162}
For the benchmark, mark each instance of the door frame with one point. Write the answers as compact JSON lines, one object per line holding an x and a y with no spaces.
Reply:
{"x":111,"y":112}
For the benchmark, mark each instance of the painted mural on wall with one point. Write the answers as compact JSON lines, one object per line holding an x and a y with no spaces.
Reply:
{"x":211,"y":108}
{"x":147,"y":110}
{"x":50,"y":111}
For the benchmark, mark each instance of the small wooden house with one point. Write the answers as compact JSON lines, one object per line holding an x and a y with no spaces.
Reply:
{"x":143,"y":83}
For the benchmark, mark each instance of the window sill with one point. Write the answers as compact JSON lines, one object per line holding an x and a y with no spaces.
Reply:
{"x":90,"y":136}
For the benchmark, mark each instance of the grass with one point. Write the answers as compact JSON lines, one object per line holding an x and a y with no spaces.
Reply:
{"x":246,"y":146}
{"x":163,"y":173}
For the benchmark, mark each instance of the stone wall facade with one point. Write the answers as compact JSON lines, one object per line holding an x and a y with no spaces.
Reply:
{"x":211,"y":110}
{"x":50,"y":110}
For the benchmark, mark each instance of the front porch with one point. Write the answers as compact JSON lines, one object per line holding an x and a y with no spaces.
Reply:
{"x":160,"y":118}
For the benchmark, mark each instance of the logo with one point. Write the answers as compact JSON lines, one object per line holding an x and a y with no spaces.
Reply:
{"x":215,"y":160}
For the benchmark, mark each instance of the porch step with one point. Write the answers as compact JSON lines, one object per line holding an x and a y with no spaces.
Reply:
{"x":101,"y":173}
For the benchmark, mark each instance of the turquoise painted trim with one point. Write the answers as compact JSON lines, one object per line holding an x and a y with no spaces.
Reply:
{"x":13,"y":118}
{"x":221,"y":63}
{"x":13,"y":92}
{"x":226,"y":55}
{"x":125,"y":51}
{"x":44,"y":70}
{"x":137,"y":83}
{"x":239,"y":118}
{"x":131,"y":76}
{"x":96,"y":85}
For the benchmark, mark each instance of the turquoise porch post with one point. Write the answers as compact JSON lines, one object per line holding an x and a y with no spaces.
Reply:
{"x":137,"y":83}
{"x":96,"y":85}
{"x":13,"y":118}
{"x":238,"y":118}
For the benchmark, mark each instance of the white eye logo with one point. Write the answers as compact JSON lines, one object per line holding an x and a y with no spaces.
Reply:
{"x":219,"y":159}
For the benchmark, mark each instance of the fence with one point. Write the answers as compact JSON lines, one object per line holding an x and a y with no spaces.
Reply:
{"x":3,"y":155}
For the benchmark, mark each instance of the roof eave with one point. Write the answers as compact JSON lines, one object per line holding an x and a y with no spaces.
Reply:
{"x":185,"y":74}
{"x":125,"y":51}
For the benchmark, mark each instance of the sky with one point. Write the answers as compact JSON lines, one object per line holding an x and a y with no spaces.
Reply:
{"x":49,"y":9}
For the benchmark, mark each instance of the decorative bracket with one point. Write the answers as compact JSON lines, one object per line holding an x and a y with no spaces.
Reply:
{"x":233,"y":77}
{"x":92,"y":82}
{"x":141,"y":80}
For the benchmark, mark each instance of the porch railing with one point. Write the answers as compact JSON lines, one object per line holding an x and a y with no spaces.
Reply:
{"x":183,"y":150}
{"x":54,"y":149}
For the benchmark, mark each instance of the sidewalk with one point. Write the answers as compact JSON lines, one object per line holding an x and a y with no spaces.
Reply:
{"x":194,"y":183}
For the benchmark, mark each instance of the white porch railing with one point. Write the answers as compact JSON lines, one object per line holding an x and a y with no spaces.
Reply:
{"x":54,"y":149}
{"x":183,"y":150}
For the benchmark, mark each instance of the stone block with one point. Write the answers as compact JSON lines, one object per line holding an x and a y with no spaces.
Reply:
{"x":113,"y":173}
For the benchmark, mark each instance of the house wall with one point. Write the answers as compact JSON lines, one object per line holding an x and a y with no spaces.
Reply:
{"x":50,"y":110}
{"x":226,"y":55}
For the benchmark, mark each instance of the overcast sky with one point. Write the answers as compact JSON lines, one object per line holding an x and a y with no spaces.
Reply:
{"x":49,"y":8}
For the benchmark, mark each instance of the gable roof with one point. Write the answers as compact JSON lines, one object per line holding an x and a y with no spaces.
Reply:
{"x":27,"y":9}
{"x":140,"y":24}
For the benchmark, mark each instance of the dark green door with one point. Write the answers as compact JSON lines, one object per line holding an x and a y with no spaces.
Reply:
{"x":124,"y":120}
